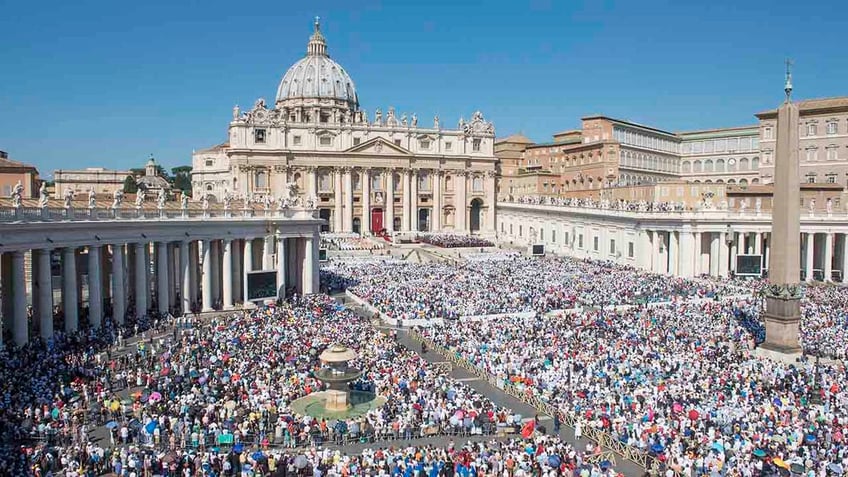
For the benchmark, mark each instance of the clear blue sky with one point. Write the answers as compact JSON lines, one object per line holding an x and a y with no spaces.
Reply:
{"x":106,"y":83}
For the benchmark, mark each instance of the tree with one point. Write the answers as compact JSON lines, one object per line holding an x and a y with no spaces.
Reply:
{"x":130,"y":185}
{"x":181,"y":179}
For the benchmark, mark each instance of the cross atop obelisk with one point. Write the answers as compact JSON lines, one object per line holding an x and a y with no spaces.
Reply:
{"x":783,"y":294}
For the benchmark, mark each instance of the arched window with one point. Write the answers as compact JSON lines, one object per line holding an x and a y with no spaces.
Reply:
{"x":743,"y":182}
{"x":448,"y":183}
{"x":731,"y":181}
{"x":697,"y":167}
{"x":755,"y":180}
{"x":708,"y":165}
{"x":396,"y":182}
{"x":357,"y":181}
{"x":477,"y":184}
{"x":719,"y":165}
{"x":743,"y":165}
{"x":687,"y":166}
{"x":376,"y":181}
{"x":731,"y":165}
{"x":423,"y":181}
{"x":755,"y":164}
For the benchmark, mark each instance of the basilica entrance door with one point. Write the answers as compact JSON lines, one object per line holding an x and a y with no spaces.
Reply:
{"x":376,"y":220}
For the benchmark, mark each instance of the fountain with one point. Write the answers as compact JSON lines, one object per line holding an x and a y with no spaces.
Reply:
{"x":339,"y":401}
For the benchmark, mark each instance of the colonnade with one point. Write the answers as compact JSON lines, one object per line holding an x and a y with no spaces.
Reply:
{"x":135,"y":278}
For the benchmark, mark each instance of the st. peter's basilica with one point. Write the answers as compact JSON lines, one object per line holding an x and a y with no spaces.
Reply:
{"x":387,"y":173}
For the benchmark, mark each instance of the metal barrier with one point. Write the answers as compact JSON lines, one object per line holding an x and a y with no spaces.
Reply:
{"x":602,"y":438}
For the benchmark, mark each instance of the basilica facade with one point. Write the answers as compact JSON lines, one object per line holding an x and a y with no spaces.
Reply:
{"x":370,"y":175}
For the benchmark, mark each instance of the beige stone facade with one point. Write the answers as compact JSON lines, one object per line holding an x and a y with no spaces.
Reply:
{"x":14,"y":172}
{"x":100,"y":180}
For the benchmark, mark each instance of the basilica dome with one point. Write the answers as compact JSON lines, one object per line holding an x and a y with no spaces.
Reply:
{"x":316,"y":76}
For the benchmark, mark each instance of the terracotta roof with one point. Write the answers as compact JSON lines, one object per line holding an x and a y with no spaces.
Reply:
{"x":816,"y":104}
{"x":10,"y":164}
{"x":519,"y":138}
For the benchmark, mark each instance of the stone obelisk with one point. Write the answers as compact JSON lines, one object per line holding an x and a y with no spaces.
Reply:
{"x":783,"y":295}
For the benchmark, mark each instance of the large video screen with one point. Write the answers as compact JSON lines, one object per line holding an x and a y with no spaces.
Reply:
{"x":749,"y":265}
{"x":261,"y":285}
{"x":538,"y":249}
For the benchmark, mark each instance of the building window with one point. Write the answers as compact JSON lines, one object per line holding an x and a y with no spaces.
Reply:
{"x":831,"y":127}
{"x":324,"y":118}
{"x":541,"y":235}
{"x":630,"y":250}
{"x":397,"y":142}
{"x":326,"y":140}
{"x":324,"y":182}
{"x":521,"y":231}
{"x":376,"y":184}
{"x":210,"y":163}
{"x":477,"y":184}
{"x":424,"y":144}
{"x":580,"y":241}
{"x":356,"y":141}
{"x":831,"y":153}
{"x":261,"y":180}
{"x":811,"y":180}
{"x":553,"y":236}
{"x":595,"y":243}
{"x":767,"y":132}
{"x":811,"y":155}
{"x":448,"y":146}
{"x":259,"y":136}
{"x":831,"y":179}
{"x":612,"y":246}
{"x":510,"y":229}
{"x":296,"y":140}
{"x":423,"y":181}
{"x":811,"y":130}
{"x":475,"y":145}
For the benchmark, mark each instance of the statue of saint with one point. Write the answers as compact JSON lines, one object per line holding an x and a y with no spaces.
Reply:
{"x":139,"y":199}
{"x":43,"y":195}
{"x":236,"y":112}
{"x":68,"y":199}
{"x":17,"y":194}
{"x":161,"y":198}
{"x":184,"y":202}
{"x":92,"y":199}
{"x":117,"y":198}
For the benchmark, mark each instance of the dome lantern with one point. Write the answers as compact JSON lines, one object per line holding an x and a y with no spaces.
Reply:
{"x":317,"y":45}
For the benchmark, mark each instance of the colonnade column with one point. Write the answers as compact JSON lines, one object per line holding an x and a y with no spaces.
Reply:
{"x":758,"y":243}
{"x":643,"y":248}
{"x":436,"y":219}
{"x":312,"y":181}
{"x":141,"y":286}
{"x":491,"y":199}
{"x":722,"y":255}
{"x":267,"y":251}
{"x":673,"y":253}
{"x":119,"y":302}
{"x":845,"y":258}
{"x":185,"y":277}
{"x":811,"y":239}
{"x":686,"y":255}
{"x":365,"y":178}
{"x":95,"y":295}
{"x":162,"y":296}
{"x":206,"y":287}
{"x":696,"y":252}
{"x":70,"y":299}
{"x":389,"y":212}
{"x":714,"y":254}
{"x":407,"y":199}
{"x":347,"y":195}
{"x":20,"y":326}
{"x":413,"y":201}
{"x":309,"y":264}
{"x":173,"y":273}
{"x":828,"y":257}
{"x":227,"y":273}
{"x":337,"y":199}
{"x":737,"y":243}
{"x":247,"y":263}
{"x":281,"y":267}
{"x":655,"y":252}
{"x":43,"y":291}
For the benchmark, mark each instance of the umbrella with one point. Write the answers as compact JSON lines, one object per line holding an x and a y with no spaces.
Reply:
{"x":605,"y":464}
{"x":111,"y":425}
{"x":810,"y":438}
{"x":238,"y":448}
{"x":759,"y":453}
{"x":155,"y":396}
{"x":718,"y":447}
{"x":55,"y":413}
{"x":553,"y":460}
{"x":797,"y":468}
{"x":780,"y":463}
{"x":150,"y":427}
{"x":835,"y":468}
{"x":657,"y":448}
{"x":258,"y":455}
{"x":694,"y":415}
{"x":300,"y":461}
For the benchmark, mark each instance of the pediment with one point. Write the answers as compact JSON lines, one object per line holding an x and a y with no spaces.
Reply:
{"x":378,"y":146}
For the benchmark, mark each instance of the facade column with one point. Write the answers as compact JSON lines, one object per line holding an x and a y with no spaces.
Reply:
{"x":365,"y":182}
{"x":413,"y":201}
{"x":436,"y":218}
{"x":140,"y":272}
{"x":162,"y":297}
{"x":643,"y":247}
{"x":337,"y":199}
{"x":312,"y":181}
{"x":206,"y":288}
{"x":119,"y":301}
{"x":655,"y":252}
{"x":811,"y":240}
{"x":828,"y":257}
{"x":227,"y":275}
{"x":70,"y":299}
{"x":686,"y":255}
{"x":247,"y":265}
{"x":185,"y":278}
{"x":281,"y":267}
{"x":237,"y":271}
{"x":406,"y":177}
{"x":766,"y":248}
{"x":347,"y":195}
{"x":194,"y":268}
{"x":173,"y":273}
{"x":95,"y":295}
{"x":215,"y":276}
{"x":461,"y":202}
{"x":43,"y":291}
{"x":758,"y":243}
{"x":389,"y":212}
{"x":20,"y":324}
{"x":673,"y":253}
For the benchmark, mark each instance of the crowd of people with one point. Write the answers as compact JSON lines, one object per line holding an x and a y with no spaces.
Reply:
{"x":348,"y":242}
{"x":508,"y":283}
{"x":678,"y":381}
{"x":211,"y":398}
{"x":446,"y":240}
{"x":590,"y":203}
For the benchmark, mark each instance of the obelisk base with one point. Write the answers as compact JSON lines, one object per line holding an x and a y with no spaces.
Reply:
{"x":783,"y":322}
